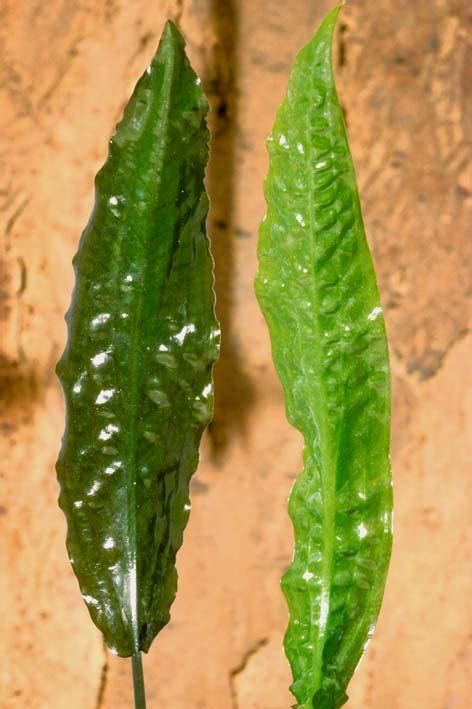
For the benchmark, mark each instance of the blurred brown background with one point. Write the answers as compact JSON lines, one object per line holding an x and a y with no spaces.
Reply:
{"x":405,"y":79}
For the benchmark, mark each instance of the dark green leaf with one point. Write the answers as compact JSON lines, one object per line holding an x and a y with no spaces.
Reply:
{"x":136,"y":372}
{"x":317,"y":289}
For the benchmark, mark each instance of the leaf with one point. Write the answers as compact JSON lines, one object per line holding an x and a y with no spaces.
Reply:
{"x":317,"y":289}
{"x":136,"y":372}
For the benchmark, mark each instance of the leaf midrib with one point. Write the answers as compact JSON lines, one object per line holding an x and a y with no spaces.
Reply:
{"x":162,"y":126}
{"x":328,"y":455}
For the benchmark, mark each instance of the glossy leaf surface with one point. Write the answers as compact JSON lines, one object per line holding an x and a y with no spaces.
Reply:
{"x":136,"y":372}
{"x":317,"y":289}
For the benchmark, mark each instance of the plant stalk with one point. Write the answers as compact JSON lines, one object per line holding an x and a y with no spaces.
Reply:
{"x":138,"y":681}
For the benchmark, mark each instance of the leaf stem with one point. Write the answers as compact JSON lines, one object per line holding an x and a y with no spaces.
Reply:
{"x":138,"y":681}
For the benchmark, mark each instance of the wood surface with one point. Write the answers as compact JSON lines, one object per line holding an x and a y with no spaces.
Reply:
{"x":405,"y":80}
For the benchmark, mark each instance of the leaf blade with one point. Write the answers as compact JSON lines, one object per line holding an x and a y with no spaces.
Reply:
{"x":316,"y":287}
{"x":136,"y":372}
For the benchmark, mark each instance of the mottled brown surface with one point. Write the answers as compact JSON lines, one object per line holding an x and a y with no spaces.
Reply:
{"x":405,"y":79}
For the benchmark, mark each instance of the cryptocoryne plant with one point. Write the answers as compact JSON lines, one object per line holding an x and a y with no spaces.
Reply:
{"x":317,"y":289}
{"x":143,"y":338}
{"x":136,"y":372}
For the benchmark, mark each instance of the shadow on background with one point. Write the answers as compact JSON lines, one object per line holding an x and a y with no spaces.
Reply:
{"x":233,"y":387}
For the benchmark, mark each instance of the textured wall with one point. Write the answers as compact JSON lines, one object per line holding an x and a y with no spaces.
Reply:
{"x":405,"y":80}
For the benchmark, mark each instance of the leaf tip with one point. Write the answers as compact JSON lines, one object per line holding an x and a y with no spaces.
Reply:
{"x":171,"y":33}
{"x":329,"y":22}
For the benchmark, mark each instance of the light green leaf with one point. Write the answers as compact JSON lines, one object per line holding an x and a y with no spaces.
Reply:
{"x":317,"y":289}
